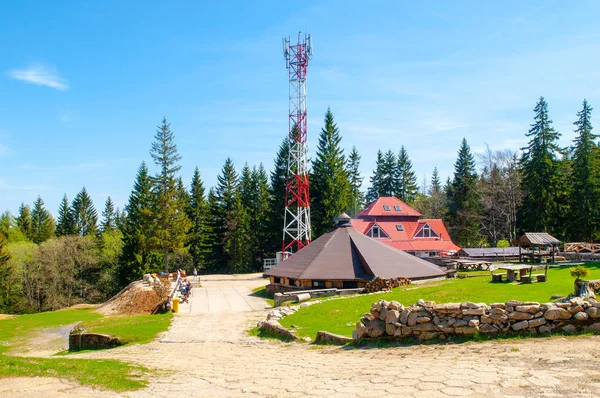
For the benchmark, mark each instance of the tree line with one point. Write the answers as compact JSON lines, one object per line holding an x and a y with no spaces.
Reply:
{"x":47,"y":263}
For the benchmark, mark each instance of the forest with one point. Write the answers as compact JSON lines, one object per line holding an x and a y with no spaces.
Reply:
{"x":49,"y":262}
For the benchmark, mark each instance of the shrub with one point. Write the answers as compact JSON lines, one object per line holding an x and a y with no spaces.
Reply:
{"x":578,"y":272}
{"x":503,"y":243}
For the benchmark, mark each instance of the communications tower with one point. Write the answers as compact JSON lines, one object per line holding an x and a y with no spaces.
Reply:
{"x":296,"y":226}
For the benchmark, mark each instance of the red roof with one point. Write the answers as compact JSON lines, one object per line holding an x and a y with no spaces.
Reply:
{"x":378,"y":208}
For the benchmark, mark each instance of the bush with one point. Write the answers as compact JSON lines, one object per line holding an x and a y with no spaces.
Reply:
{"x":503,"y":243}
{"x":578,"y":272}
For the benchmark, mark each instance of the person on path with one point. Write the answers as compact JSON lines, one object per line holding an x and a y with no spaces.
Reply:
{"x":195,"y":273}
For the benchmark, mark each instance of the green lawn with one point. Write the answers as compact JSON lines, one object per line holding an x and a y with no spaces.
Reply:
{"x":108,"y":374}
{"x":261,"y":291}
{"x":341,"y":314}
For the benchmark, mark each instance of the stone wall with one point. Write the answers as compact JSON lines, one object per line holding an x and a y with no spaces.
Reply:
{"x":427,"y":320}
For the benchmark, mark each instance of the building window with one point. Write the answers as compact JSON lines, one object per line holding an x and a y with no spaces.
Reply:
{"x":426,"y":232}
{"x":292,"y":282}
{"x":397,"y":208}
{"x":318,"y":283}
{"x":350,"y":285}
{"x":399,"y":227}
{"x":386,"y":208}
{"x":276,"y":280}
{"x":376,"y":232}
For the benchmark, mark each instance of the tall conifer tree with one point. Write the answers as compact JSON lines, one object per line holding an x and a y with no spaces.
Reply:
{"x":85,"y":216}
{"x":541,"y":172}
{"x":197,"y":209}
{"x":24,"y":220}
{"x":357,"y":199}
{"x":65,"y":224}
{"x":462,"y":200}
{"x":109,"y":221}
{"x":42,"y":223}
{"x":171,"y":221}
{"x":584,"y":217}
{"x":406,"y":182}
{"x":375,"y":189}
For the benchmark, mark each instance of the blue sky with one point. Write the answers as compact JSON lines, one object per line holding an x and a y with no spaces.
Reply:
{"x":83,"y":85}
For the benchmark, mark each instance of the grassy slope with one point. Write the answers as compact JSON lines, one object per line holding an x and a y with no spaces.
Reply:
{"x":110,"y":374}
{"x":261,"y":291}
{"x":340,"y":315}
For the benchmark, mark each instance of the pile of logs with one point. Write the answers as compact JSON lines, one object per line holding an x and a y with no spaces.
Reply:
{"x":380,"y":284}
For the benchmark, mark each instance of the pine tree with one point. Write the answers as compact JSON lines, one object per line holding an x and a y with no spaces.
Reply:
{"x":109,"y":221}
{"x":169,"y":208}
{"x":24,"y":220}
{"x":330,"y":188}
{"x":406,"y":182}
{"x":85,"y":216}
{"x":42,"y":223}
{"x":197,"y":214}
{"x":541,"y":174}
{"x":65,"y":224}
{"x":374,"y":190}
{"x":137,"y":257}
{"x":585,"y":195}
{"x":357,"y":199}
{"x":437,"y":200}
{"x":215,"y":256}
{"x":462,"y":200}
{"x":388,"y":174}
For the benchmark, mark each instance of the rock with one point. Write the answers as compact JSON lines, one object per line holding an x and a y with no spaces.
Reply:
{"x":488,"y":329}
{"x":593,"y":312}
{"x":451,"y":308}
{"x":553,"y":314}
{"x":468,"y":305}
{"x":396,"y":306}
{"x":427,"y":336}
{"x":421,"y":302}
{"x":486,"y":320}
{"x":497,"y":311}
{"x":375,"y":328}
{"x":581,"y":316}
{"x":331,"y":338}
{"x":532,"y":309}
{"x":392,"y":316}
{"x":424,"y":327}
{"x":398,"y":332}
{"x":272,"y":326}
{"x":412,"y":319}
{"x":473,"y":311}
{"x":423,"y":319}
{"x":557,"y":296}
{"x":390,"y":329}
{"x":534,"y":323}
{"x":538,"y":314}
{"x":513,"y":303}
{"x":467,"y":330}
{"x":545,"y":329}
{"x":563,"y":305}
{"x":576,"y":309}
{"x":520,"y":325}
{"x":499,"y":317}
{"x":473,"y":322}
{"x":498,"y":305}
{"x":569,"y":329}
{"x":361,"y":331}
{"x":460,"y":324}
{"x":383,"y":313}
{"x":520,"y":316}
{"x":374,"y":313}
{"x":594,"y":327}
{"x":404,"y":316}
{"x":545,"y":306}
{"x":530,"y":303}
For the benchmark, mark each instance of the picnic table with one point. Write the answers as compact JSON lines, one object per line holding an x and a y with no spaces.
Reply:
{"x":512,"y":269}
{"x":461,"y":264}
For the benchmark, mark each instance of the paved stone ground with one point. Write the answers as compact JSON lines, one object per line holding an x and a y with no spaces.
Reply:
{"x":209,"y":354}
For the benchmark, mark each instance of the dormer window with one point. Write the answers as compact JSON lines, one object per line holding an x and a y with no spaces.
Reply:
{"x":399,"y":227}
{"x":376,"y":232}
{"x":397,"y":207}
{"x":426,"y":232}
{"x":386,"y":208}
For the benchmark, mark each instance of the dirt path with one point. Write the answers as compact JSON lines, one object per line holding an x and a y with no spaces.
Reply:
{"x":211,"y":355}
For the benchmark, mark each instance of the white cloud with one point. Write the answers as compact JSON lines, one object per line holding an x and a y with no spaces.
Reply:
{"x":40,"y":75}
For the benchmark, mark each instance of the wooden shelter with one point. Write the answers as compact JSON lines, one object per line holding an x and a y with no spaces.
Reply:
{"x":535,"y":241}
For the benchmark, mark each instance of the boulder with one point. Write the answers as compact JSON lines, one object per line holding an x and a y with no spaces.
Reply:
{"x":534,"y":323}
{"x":497,"y":311}
{"x":513,"y":303}
{"x":396,"y":306}
{"x":576,"y":309}
{"x":423,"y":319}
{"x":532,"y":309}
{"x":274,"y":327}
{"x":569,"y":329}
{"x":392,"y":316}
{"x":520,"y":325}
{"x":488,"y":329}
{"x":450,"y":308}
{"x":486,"y":320}
{"x":331,"y":338}
{"x":460,"y":323}
{"x":474,"y":323}
{"x":404,"y":316}
{"x":499,"y":318}
{"x":581,"y":316}
{"x":424,"y":327}
{"x":412,"y":319}
{"x":593,"y":312}
{"x":469,"y":305}
{"x":361,"y":331}
{"x":427,"y":336}
{"x":375,"y":328}
{"x":383,"y":313}
{"x":473,"y":311}
{"x":545,"y":329}
{"x":498,"y":305}
{"x":554,"y":314}
{"x":390,"y":329}
{"x":467,"y":330}
{"x":519,"y":316}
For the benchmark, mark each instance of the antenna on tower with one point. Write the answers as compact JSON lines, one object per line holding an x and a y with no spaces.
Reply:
{"x":296,"y":225}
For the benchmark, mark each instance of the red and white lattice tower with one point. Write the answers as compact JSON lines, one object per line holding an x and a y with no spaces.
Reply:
{"x":296,"y":226}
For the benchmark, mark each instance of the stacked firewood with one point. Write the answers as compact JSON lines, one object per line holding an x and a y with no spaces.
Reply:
{"x":379,"y":284}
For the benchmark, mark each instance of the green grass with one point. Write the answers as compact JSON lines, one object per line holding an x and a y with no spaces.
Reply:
{"x":134,"y":329}
{"x":261,"y":291}
{"x":107,"y":374}
{"x":340,"y":315}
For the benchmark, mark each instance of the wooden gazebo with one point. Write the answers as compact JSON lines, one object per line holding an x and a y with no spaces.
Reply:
{"x":533,"y":240}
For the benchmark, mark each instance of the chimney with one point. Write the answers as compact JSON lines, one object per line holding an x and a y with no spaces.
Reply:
{"x":343,"y":220}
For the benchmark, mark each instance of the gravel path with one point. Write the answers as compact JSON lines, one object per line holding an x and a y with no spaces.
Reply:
{"x":209,"y":354}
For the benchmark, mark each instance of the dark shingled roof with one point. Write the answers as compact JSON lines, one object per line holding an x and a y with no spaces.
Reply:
{"x":490,"y":251}
{"x":346,"y":254}
{"x":538,"y":238}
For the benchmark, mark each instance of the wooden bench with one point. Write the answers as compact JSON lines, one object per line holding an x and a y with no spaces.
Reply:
{"x":498,"y":276}
{"x":540,"y":277}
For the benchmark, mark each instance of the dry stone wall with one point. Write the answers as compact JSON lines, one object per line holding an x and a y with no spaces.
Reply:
{"x":427,"y":320}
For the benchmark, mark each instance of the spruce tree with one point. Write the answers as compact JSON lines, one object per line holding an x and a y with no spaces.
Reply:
{"x":42,"y":223}
{"x":437,"y":200}
{"x":197,"y":235}
{"x":584,"y":200}
{"x":85,"y":216}
{"x":215,"y":256}
{"x":463,"y":210}
{"x":171,"y":221}
{"x":137,"y":257}
{"x":374,"y":190}
{"x":24,"y":220}
{"x":65,"y":224}
{"x":389,"y":172}
{"x":330,"y":188}
{"x":109,"y":220}
{"x":541,"y":174}
{"x":357,"y":199}
{"x":406,"y":182}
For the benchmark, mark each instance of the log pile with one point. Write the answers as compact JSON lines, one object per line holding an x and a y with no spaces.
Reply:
{"x":381,"y":284}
